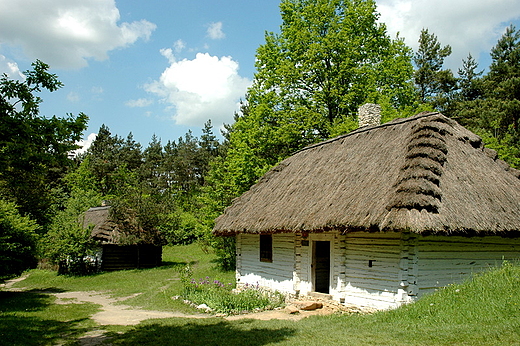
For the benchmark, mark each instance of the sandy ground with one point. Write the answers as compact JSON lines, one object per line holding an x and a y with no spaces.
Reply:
{"x":113,"y":313}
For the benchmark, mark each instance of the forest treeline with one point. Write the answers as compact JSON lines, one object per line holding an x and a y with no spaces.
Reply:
{"x":330,"y":57}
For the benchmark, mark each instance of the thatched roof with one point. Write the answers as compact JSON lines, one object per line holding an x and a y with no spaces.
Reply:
{"x":425,"y":174}
{"x":103,"y":229}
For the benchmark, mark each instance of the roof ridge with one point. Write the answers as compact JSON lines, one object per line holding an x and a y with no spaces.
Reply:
{"x":396,"y":121}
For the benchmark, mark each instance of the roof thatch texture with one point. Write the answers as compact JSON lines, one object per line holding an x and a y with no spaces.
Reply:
{"x":103,"y":229}
{"x":426,"y":174}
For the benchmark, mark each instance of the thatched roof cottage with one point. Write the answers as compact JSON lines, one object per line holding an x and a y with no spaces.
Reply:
{"x":379,"y":216}
{"x":116,"y":255}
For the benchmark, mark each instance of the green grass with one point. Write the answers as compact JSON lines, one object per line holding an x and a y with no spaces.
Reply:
{"x":155,"y":286}
{"x":483,"y":311}
{"x":31,"y":318}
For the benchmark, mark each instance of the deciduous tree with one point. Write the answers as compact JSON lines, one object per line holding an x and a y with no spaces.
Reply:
{"x":33,"y":148}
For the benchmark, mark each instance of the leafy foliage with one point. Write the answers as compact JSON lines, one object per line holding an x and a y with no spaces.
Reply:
{"x":493,"y":108}
{"x":68,"y":243}
{"x":17,"y":241}
{"x":140,"y":213}
{"x":33,"y":148}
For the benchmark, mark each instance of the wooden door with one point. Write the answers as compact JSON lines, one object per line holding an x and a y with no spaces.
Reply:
{"x":321,"y":265}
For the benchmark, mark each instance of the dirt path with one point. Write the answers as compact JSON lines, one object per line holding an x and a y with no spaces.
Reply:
{"x":112,"y":313}
{"x":8,"y":284}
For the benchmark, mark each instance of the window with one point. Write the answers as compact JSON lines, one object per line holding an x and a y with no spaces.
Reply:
{"x":266,"y":248}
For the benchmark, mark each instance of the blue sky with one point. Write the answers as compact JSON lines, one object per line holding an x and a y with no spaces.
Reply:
{"x":165,"y":66}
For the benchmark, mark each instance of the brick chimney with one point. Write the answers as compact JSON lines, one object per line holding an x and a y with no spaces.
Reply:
{"x":369,"y":114}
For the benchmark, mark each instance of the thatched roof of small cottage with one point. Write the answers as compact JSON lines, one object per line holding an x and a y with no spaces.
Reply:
{"x":425,"y":174}
{"x":104,"y":229}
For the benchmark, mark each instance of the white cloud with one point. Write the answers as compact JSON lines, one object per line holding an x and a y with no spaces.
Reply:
{"x":468,"y":26}
{"x":168,"y":54}
{"x":84,"y":144}
{"x":10,"y":68}
{"x":66,"y":33}
{"x":179,"y":45}
{"x":97,"y":90}
{"x":215,"y":31}
{"x":73,"y":96}
{"x":206,"y":87}
{"x":139,"y":103}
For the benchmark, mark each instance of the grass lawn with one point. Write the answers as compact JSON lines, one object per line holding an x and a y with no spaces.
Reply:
{"x":156,"y":286}
{"x":484,"y":311}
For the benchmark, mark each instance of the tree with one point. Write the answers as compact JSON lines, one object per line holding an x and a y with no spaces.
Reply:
{"x":469,"y":80}
{"x":112,"y":159}
{"x":33,"y":148}
{"x":67,"y":242}
{"x":17,"y":241}
{"x":140,"y":212}
{"x":209,"y":148}
{"x":502,"y":83}
{"x":130,"y":153}
{"x":495,"y":113}
{"x":102,"y":159}
{"x":329,"y":58}
{"x":152,"y":169}
{"x":435,"y":85}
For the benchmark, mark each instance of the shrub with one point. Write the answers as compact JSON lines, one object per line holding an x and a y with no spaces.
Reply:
{"x":182,"y":227}
{"x":17,"y":241}
{"x":69,"y":244}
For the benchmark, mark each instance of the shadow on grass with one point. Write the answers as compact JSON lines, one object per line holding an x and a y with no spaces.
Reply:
{"x":201,"y":332}
{"x":22,"y":321}
{"x":12,"y":301}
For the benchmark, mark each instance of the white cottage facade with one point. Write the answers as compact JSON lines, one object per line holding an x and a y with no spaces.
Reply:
{"x":379,"y":270}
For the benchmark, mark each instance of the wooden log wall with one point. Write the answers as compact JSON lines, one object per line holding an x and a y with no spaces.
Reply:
{"x":451,"y":259}
{"x":121,"y":257}
{"x":277,"y":275}
{"x":372,"y":269}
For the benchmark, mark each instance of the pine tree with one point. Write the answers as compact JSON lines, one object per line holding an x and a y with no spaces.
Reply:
{"x":435,"y":85}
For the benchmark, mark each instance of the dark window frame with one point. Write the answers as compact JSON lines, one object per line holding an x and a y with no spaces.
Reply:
{"x":266,"y":248}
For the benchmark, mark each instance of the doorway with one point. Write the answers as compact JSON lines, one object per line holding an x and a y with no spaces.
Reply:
{"x":321,"y":266}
